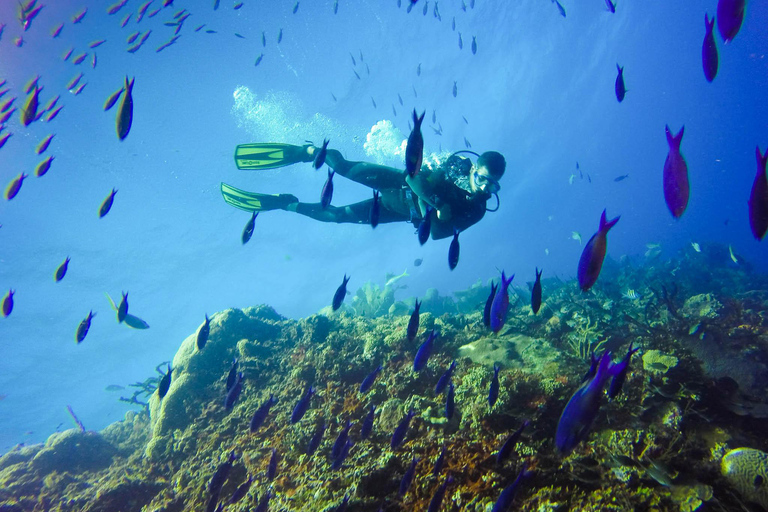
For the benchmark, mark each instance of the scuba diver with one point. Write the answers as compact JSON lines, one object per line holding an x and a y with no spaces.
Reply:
{"x":453,"y":193}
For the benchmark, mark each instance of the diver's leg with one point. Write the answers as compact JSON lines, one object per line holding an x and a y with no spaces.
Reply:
{"x":375,"y":176}
{"x":357,"y":213}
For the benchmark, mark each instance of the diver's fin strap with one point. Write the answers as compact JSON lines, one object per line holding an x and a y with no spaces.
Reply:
{"x":240,"y":198}
{"x":267,"y":155}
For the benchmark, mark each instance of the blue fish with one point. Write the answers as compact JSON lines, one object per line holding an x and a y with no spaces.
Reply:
{"x":261,"y":414}
{"x":405,"y":482}
{"x":509,"y":444}
{"x":425,"y":226}
{"x":82,"y":329}
{"x":369,"y":380}
{"x":445,"y":378}
{"x":402,"y":428}
{"x":500,"y":304}
{"x":493,"y":392}
{"x":327,"y":194}
{"x":619,"y":85}
{"x":122,"y":309}
{"x":439,"y":462}
{"x":343,"y":505}
{"x":709,"y":57}
{"x":508,"y":494}
{"x":339,"y":461}
{"x":241,"y":491}
{"x":341,"y":292}
{"x":488,"y":304}
{"x":536,"y":293}
{"x":367,"y":427}
{"x":375,"y":209}
{"x":232,"y":376}
{"x":165,"y":383}
{"x":263,"y":505}
{"x":202,"y":333}
{"x":272,"y":467}
{"x":341,"y":440}
{"x":320,"y":156}
{"x":591,"y":260}
{"x":620,"y":373}
{"x":61,"y":271}
{"x":414,"y":149}
{"x":234,"y":393}
{"x":302,"y":405}
{"x":582,"y":408}
{"x":220,"y":475}
{"x":449,"y":401}
{"x":422,"y":355}
{"x":413,"y":323}
{"x":730,"y":16}
{"x":248,"y":230}
{"x":453,"y":251}
{"x":317,"y":437}
{"x":437,"y":498}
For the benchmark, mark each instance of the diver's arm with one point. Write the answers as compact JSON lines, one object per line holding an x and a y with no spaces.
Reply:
{"x":419,"y":186}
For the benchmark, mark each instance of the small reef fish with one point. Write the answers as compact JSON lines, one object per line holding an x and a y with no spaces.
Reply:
{"x":509,"y":444}
{"x":375,"y":210}
{"x":417,"y":262}
{"x":425,"y":349}
{"x":8,"y":303}
{"x":122,"y":309}
{"x":620,"y":373}
{"x":79,"y":59}
{"x":317,"y":437}
{"x":631,"y":294}
{"x":280,"y":36}
{"x":560,"y":8}
{"x":130,"y":320}
{"x":474,"y":45}
{"x":341,"y":440}
{"x":112,"y":9}
{"x":392,"y":279}
{"x":43,"y":166}
{"x":758,"y":198}
{"x":339,"y":462}
{"x":610,"y":5}
{"x":508,"y":494}
{"x":319,"y":159}
{"x":97,"y":43}
{"x":453,"y":251}
{"x":455,"y":89}
{"x":31,"y":84}
{"x":219,"y":477}
{"x":619,"y":85}
{"x":367,"y":426}
{"x":248,"y":230}
{"x":730,"y":16}
{"x":335,"y":6}
{"x":5,"y":138}
{"x":258,"y":60}
{"x":79,"y":89}
{"x":450,"y":404}
{"x":295,"y":7}
{"x":14,"y":186}
{"x":85,"y":325}
{"x":73,"y":83}
{"x":29,"y":112}
{"x":696,"y":246}
{"x":263,"y":505}
{"x":413,"y":322}
{"x":591,"y":260}
{"x":234,"y":393}
{"x":202,"y":333}
{"x":114,"y":387}
{"x":709,"y":57}
{"x":367,"y":383}
{"x":67,"y":54}
{"x":401,"y":430}
{"x":106,"y":205}
{"x":241,"y":491}
{"x":418,"y":69}
{"x":61,"y":271}
{"x":437,"y":498}
{"x":676,"y":187}
{"x":326,"y":195}
{"x":439,"y":462}
{"x":272,"y":466}
{"x":56,"y":31}
{"x":405,"y":482}
{"x":425,"y":226}
{"x":260,"y":416}
{"x":493,"y":392}
{"x":445,"y":378}
{"x":165,"y":383}
{"x":488,"y":305}
{"x":232,"y":375}
{"x":77,"y":18}
{"x":733,"y":256}
{"x":536,"y":293}
{"x":461,"y":43}
{"x":125,"y":111}
{"x":621,"y":178}
{"x":500,"y":304}
{"x":414,"y":150}
{"x":302,"y":405}
{"x":341,"y":292}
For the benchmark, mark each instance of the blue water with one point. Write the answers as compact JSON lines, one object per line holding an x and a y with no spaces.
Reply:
{"x":540,"y":90}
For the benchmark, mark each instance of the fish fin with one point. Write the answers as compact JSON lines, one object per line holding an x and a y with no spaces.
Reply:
{"x":761,"y":159}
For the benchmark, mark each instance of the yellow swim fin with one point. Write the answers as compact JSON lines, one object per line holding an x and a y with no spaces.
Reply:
{"x":268,"y":155}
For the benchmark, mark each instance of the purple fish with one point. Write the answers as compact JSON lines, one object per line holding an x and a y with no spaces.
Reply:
{"x":620,"y":373}
{"x":402,"y":428}
{"x":508,"y":494}
{"x":367,"y":427}
{"x":536,"y":293}
{"x":592,"y":256}
{"x":263,"y":505}
{"x":509,"y":444}
{"x":339,"y":461}
{"x":61,"y":271}
{"x":320,"y":156}
{"x":676,"y":188}
{"x":449,"y":401}
{"x":730,"y":15}
{"x":488,"y":304}
{"x":14,"y":186}
{"x":8,"y":302}
{"x":437,"y":498}
{"x":317,"y":437}
{"x":413,"y":323}
{"x":327,"y":193}
{"x":445,"y":378}
{"x":405,"y":483}
{"x":439,"y":462}
{"x":261,"y":414}
{"x":493,"y":392}
{"x":758,"y":198}
{"x":425,"y":226}
{"x":122,"y":309}
{"x":85,"y":325}
{"x":341,"y":292}
{"x":375,"y":209}
{"x":619,"y":85}
{"x":365,"y":386}
{"x":500,"y":303}
{"x":272,"y":467}
{"x":414,"y":149}
{"x":232,"y":375}
{"x":453,"y":251}
{"x":582,"y":408}
{"x":422,"y":355}
{"x":302,"y":405}
{"x":241,"y":491}
{"x":341,"y":440}
{"x":709,"y":50}
{"x":234,"y":393}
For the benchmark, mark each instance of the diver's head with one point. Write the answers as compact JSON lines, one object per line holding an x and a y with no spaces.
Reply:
{"x":487,"y":172}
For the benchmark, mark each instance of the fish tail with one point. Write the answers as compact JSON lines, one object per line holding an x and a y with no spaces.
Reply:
{"x":762,"y":159}
{"x":605,"y":226}
{"x":674,"y":140}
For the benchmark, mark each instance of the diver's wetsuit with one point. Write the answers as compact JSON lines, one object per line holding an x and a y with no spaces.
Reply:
{"x":398,"y":202}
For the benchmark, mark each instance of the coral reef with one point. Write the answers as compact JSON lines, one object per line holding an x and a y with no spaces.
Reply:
{"x":660,"y":444}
